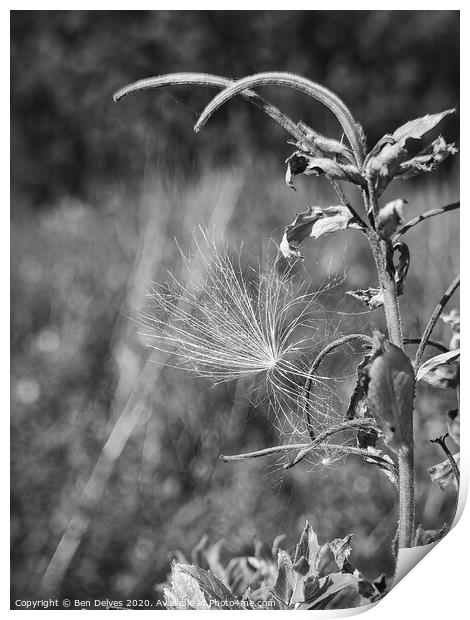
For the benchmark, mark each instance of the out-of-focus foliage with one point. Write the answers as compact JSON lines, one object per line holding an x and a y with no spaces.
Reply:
{"x":68,"y":135}
{"x":313,"y":577}
{"x":120,"y":182}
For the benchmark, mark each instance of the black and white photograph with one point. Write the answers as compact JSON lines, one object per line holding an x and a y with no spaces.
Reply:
{"x":234,"y":306}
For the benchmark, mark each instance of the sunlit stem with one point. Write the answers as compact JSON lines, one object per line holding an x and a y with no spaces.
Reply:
{"x":382,"y":251}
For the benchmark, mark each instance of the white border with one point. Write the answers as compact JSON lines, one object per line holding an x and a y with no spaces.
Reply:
{"x":438,"y":586}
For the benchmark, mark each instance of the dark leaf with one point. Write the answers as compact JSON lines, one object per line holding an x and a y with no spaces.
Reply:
{"x":403,"y":265}
{"x":304,"y":163}
{"x":315,"y":222}
{"x":367,"y":438}
{"x":391,"y":391}
{"x":357,"y":407}
{"x":441,"y":371}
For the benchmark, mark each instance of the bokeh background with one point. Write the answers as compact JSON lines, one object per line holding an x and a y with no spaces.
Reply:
{"x":114,"y":458}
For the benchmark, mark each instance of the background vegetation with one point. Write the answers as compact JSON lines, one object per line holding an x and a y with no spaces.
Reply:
{"x":117,"y":452}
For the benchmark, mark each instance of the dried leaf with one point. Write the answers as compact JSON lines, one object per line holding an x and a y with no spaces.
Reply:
{"x":383,"y":462}
{"x":403,"y":265}
{"x":301,"y":162}
{"x":390,"y":218}
{"x":441,"y":371}
{"x":388,"y":157}
{"x":341,"y":549}
{"x":358,"y":406}
{"x":428,"y":160}
{"x":315,"y":222}
{"x":370,"y":297}
{"x":391,"y":391}
{"x":324,"y":146}
{"x":443,"y":474}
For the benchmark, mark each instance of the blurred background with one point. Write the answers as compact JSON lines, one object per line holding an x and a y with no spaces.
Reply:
{"x":115,"y":458}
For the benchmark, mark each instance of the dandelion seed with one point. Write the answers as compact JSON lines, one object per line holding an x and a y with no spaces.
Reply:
{"x":226,"y":325}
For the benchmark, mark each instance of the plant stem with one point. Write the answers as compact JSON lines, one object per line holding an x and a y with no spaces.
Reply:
{"x":305,"y":398}
{"x":382,"y":251}
{"x":453,"y":286}
{"x":450,"y":457}
{"x":406,"y":490}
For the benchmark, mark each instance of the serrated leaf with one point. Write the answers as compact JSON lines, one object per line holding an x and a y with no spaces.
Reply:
{"x":391,"y":392}
{"x":185,"y":591}
{"x":315,"y":222}
{"x":443,"y":474}
{"x":440,"y":371}
{"x":212,"y":588}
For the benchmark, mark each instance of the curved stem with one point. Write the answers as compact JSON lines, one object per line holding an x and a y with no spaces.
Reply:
{"x":305,"y":396}
{"x":450,"y":457}
{"x":453,"y":286}
{"x":212,"y":81}
{"x":316,"y":91}
{"x":339,"y":428}
{"x":425,"y":216}
{"x":306,"y":446}
{"x":345,"y":202}
{"x":431,"y":343}
{"x":264,"y":452}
